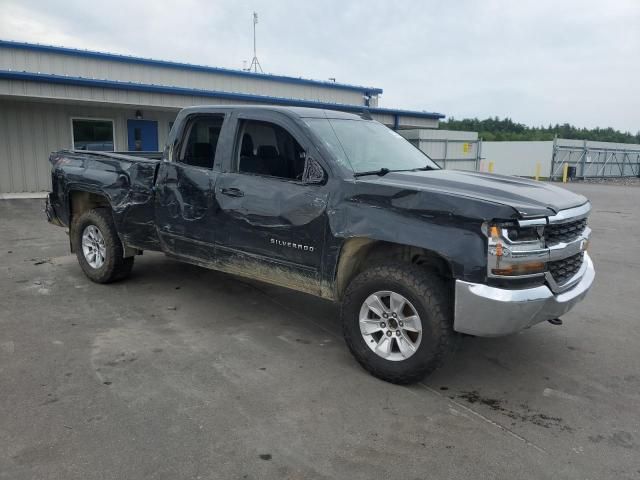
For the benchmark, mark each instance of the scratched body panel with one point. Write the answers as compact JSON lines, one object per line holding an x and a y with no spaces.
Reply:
{"x":184,"y":214}
{"x":127,"y":183}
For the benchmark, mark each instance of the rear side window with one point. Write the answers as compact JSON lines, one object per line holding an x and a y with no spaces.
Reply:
{"x":268,"y":149}
{"x":202,"y":140}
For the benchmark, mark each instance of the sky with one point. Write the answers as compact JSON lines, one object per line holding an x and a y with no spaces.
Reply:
{"x":537,"y":62}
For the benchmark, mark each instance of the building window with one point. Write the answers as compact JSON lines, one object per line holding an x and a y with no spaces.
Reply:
{"x":91,"y":134}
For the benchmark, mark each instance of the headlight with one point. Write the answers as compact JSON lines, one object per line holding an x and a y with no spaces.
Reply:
{"x":515,"y":251}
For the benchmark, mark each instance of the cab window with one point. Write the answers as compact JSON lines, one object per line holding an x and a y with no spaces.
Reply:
{"x":269,"y":150}
{"x":202,"y":140}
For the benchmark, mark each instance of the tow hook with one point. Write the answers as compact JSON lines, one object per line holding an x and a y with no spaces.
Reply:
{"x":555,"y":321}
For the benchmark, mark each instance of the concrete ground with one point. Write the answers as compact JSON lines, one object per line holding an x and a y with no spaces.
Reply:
{"x":184,"y":373}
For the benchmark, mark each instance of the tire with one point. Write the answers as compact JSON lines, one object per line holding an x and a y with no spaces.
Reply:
{"x":113,"y":266}
{"x":426,"y":295}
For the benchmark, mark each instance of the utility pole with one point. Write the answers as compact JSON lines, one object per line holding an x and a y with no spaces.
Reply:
{"x":255,"y":64}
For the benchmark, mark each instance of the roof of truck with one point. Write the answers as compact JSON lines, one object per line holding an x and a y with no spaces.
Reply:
{"x":302,"y":112}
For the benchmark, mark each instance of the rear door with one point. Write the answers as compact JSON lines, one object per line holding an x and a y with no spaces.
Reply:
{"x":185,"y":203}
{"x":271,"y":224}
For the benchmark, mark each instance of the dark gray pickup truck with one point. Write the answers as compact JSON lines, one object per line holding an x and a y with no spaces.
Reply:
{"x":339,"y":206}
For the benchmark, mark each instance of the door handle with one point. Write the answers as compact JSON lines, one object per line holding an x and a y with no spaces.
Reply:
{"x":232,"y":192}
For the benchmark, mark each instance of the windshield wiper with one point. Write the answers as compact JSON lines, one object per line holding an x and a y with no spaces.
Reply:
{"x":419,"y":169}
{"x":381,"y":172}
{"x":425,"y":168}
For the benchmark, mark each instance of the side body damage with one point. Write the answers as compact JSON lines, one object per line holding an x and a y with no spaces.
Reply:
{"x":312,"y":235}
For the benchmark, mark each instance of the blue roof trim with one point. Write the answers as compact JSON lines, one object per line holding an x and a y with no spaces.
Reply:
{"x":185,"y":66}
{"x":142,"y":87}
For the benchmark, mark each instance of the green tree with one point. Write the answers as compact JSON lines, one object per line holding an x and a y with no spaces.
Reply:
{"x":495,"y":129}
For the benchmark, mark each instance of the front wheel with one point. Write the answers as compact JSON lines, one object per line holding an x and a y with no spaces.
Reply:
{"x":98,"y":247}
{"x":397,"y":321}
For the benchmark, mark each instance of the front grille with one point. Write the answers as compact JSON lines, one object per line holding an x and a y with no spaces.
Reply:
{"x":564,"y":232}
{"x":563,"y":270}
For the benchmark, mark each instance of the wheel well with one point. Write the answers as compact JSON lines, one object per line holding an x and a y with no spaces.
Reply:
{"x":358,"y":253}
{"x":80,"y":202}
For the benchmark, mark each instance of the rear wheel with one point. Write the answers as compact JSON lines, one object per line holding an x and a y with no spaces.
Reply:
{"x":98,"y":247}
{"x":397,"y":321}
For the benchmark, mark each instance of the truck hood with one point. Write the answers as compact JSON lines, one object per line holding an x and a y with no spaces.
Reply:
{"x":528,"y":197}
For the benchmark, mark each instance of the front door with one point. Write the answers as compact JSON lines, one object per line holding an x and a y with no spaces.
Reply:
{"x":143,"y":135}
{"x":271,"y":224}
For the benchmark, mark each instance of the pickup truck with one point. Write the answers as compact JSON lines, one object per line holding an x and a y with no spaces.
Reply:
{"x":339,"y":206}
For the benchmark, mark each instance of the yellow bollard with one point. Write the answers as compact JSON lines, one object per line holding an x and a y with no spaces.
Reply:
{"x":538,"y":171}
{"x":565,"y":171}
{"x":490,"y":167}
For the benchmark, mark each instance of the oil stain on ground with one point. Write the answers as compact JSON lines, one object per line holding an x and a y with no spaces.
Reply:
{"x":619,"y":438}
{"x":526,"y":414}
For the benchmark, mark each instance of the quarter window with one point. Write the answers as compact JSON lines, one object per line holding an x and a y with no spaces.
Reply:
{"x":92,"y":134}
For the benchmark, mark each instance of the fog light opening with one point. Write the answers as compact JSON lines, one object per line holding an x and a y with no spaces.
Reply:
{"x":520,"y":269}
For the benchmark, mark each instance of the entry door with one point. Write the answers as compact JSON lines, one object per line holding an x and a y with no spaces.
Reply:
{"x":143,"y":135}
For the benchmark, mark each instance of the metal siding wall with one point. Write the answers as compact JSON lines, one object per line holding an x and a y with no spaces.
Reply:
{"x":446,"y":147}
{"x":451,"y":154}
{"x":413,"y":122}
{"x":30,"y":131}
{"x":60,"y":64}
{"x":518,"y":158}
{"x":6,"y":173}
{"x":406,"y":121}
{"x":19,"y":88}
{"x":382,"y":118}
{"x":437,"y":134}
{"x":20,"y":169}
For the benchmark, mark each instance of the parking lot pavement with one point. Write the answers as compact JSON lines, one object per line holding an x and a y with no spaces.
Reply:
{"x":182,"y":372}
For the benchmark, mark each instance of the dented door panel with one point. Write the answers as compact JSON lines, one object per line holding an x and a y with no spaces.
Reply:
{"x":125,"y":182}
{"x":185,"y":219}
{"x":278,"y":223}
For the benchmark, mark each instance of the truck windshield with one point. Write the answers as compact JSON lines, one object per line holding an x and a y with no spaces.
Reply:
{"x":368,"y":146}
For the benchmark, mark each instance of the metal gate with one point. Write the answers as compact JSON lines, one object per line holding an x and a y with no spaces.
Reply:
{"x":592,"y":161}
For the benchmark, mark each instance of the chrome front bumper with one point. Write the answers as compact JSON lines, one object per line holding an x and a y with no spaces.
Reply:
{"x":487,"y":311}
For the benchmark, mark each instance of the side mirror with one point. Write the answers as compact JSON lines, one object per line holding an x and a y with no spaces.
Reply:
{"x":313,"y":174}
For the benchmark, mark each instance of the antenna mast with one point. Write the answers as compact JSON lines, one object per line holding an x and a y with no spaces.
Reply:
{"x":255,"y":63}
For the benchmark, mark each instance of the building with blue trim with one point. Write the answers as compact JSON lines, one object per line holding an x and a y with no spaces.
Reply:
{"x":57,"y":97}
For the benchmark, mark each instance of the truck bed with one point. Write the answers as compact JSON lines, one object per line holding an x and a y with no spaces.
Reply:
{"x":125,"y":179}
